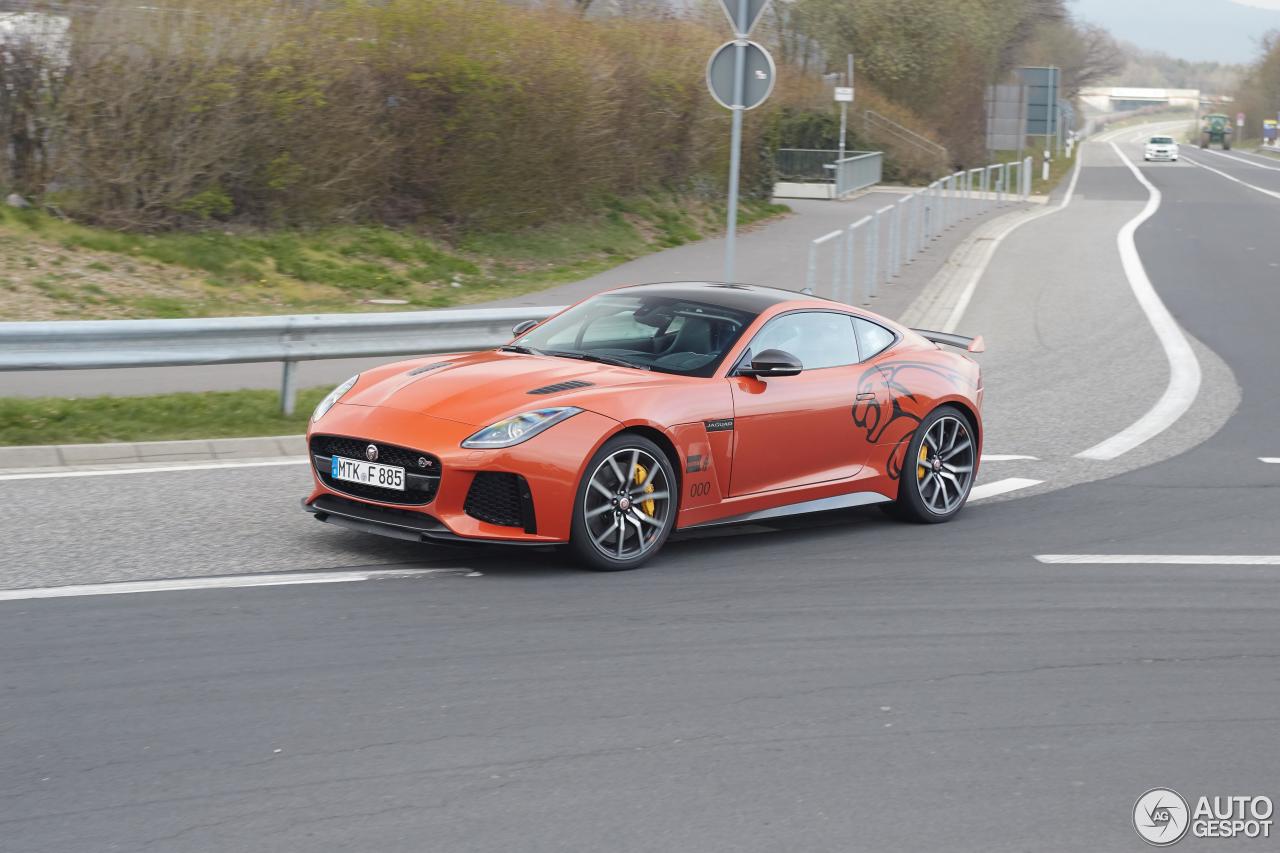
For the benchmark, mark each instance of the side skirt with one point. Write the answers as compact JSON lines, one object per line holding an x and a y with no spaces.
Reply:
{"x":819,"y":505}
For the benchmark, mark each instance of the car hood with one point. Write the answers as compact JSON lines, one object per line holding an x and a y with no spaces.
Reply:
{"x":480,"y":388}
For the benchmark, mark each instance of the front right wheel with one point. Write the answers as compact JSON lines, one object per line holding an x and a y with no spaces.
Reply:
{"x":945,"y":453}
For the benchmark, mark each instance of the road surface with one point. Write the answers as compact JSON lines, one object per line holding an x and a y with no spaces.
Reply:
{"x":838,"y":682}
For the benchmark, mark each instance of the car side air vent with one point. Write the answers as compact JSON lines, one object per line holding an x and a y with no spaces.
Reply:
{"x":424,"y":368}
{"x":561,"y":386}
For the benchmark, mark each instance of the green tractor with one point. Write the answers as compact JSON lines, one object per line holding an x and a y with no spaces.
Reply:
{"x":1215,"y":128}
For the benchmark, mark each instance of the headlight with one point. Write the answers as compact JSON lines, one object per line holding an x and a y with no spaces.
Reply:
{"x":521,"y":427}
{"x":333,"y":396}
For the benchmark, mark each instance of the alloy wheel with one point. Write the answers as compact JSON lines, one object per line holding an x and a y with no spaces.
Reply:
{"x":944,"y":469}
{"x":627,"y":504}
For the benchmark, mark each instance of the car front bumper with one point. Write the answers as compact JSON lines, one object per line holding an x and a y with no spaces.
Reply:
{"x":550,"y":463}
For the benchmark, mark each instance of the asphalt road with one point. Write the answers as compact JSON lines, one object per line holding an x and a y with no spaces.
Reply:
{"x":834,"y":683}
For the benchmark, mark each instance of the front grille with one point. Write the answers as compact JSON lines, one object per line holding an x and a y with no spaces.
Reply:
{"x":421,"y":481}
{"x":503,"y":499}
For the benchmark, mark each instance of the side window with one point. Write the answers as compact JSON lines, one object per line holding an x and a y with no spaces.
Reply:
{"x":872,"y":337}
{"x":818,"y":338}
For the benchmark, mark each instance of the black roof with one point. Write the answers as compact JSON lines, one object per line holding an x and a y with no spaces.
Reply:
{"x":742,"y":297}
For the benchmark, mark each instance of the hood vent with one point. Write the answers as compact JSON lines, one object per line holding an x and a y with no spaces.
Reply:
{"x":561,"y":386}
{"x":424,"y":368}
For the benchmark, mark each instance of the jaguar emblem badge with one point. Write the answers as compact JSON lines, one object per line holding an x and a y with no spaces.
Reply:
{"x":371,"y":453}
{"x":424,"y":462}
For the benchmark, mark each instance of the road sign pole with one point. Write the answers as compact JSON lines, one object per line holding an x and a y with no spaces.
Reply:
{"x":735,"y":151}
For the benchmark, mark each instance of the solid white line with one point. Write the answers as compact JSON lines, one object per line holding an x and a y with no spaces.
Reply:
{"x":1271,"y":193}
{"x":1164,"y":559}
{"x":155,"y":469}
{"x":240,"y":582}
{"x":1000,"y":487}
{"x":1184,"y":368}
{"x":1006,"y":457}
{"x":957,"y":313}
{"x":1239,"y":159}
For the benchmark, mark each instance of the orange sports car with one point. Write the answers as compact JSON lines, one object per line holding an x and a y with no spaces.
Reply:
{"x":649,"y":409}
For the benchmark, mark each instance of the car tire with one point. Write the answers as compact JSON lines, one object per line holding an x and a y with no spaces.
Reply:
{"x":941,"y":491}
{"x":645,"y":511}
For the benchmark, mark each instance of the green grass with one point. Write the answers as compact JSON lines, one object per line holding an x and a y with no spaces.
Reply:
{"x":223,"y":414}
{"x":212,"y":273}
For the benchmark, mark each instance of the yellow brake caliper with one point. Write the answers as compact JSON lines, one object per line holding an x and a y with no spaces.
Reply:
{"x":639,"y":476}
{"x":924,"y":457}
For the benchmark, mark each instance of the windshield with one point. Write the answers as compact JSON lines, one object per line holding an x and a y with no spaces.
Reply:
{"x":1162,"y":140}
{"x":650,"y":332}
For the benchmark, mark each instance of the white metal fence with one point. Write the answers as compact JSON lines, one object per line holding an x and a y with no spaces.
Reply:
{"x":850,"y":264}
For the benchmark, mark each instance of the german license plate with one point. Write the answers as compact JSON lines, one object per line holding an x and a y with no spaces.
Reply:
{"x":368,"y":473}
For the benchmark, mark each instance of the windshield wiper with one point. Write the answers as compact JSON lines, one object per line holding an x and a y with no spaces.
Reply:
{"x":602,"y":359}
{"x":520,"y":349}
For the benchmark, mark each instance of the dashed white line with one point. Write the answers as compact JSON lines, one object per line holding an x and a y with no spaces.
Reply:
{"x":1164,"y":559}
{"x":1270,"y":460}
{"x":152,"y":469}
{"x":1184,"y":368}
{"x":1000,"y":487}
{"x":1208,"y":168}
{"x":1007,"y":457}
{"x":1240,"y":159}
{"x":239,"y":582}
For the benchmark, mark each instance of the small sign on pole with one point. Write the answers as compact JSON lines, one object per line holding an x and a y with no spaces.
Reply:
{"x":1239,"y":119}
{"x":844,"y":94}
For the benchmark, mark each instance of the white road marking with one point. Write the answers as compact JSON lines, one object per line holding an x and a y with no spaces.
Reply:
{"x":1262,"y":190}
{"x":154,"y":469}
{"x":1184,"y":368}
{"x":1000,"y":487}
{"x":1271,"y":460}
{"x":1239,"y":159}
{"x":1164,"y":559}
{"x":1006,"y":457}
{"x":240,"y":582}
{"x":962,"y":305}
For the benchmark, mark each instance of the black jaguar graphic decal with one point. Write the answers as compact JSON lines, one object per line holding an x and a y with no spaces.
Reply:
{"x":892,"y":415}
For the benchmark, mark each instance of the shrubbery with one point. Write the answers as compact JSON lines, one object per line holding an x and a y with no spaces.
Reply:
{"x":458,"y":113}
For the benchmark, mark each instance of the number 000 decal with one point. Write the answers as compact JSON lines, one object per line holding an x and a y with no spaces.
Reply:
{"x":699,"y":490}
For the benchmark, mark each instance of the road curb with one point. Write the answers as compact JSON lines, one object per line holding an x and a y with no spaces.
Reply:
{"x":935,"y":304}
{"x":26,"y":458}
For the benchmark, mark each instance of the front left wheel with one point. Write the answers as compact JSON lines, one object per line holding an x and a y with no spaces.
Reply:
{"x":626,"y":505}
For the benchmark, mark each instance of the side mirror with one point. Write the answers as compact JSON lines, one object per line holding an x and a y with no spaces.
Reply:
{"x":520,"y":328}
{"x":772,"y":362}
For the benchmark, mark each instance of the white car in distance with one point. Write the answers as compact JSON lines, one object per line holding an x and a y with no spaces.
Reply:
{"x":1161,"y":148}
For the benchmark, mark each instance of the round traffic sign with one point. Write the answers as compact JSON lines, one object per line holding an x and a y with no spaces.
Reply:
{"x":758,"y":78}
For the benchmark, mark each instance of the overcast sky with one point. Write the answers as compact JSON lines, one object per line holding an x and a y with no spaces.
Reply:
{"x":1222,"y":30}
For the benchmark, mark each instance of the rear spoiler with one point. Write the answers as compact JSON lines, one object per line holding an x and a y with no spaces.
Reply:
{"x":975,"y":344}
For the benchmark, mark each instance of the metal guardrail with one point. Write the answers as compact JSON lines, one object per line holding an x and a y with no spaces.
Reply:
{"x":892,"y":236}
{"x":93,"y":344}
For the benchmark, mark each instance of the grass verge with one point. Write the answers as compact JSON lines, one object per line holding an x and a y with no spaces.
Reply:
{"x":52,"y":269}
{"x":159,"y":417}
